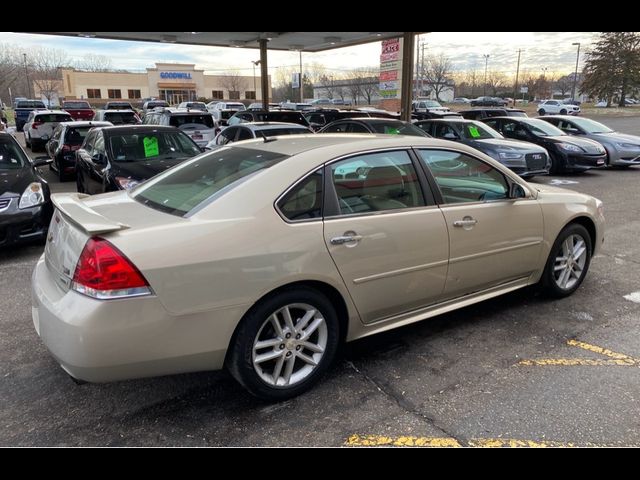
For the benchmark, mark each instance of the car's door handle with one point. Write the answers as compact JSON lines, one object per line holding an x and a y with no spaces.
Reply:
{"x":466,"y":222}
{"x":346,"y":238}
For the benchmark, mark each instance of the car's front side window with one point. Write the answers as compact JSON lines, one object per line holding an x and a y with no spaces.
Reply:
{"x":462,"y":178}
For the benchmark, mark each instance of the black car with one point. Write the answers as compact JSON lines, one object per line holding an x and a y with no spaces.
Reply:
{"x":374,"y":125}
{"x":66,"y":139}
{"x":482,"y":113}
{"x":488,"y":102}
{"x":25,"y":203}
{"x":567,"y":153}
{"x":287,"y":116}
{"x":121,"y":157}
{"x":524,"y":158}
{"x":320,"y":117}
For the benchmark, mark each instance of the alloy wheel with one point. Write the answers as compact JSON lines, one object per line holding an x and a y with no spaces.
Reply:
{"x":569,"y":264}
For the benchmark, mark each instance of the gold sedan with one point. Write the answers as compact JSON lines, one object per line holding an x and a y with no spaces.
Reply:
{"x":265,"y":255}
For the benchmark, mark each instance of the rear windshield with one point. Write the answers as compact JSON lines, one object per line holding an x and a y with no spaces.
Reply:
{"x":53,"y":117}
{"x":76,"y":105}
{"x":118,"y":106}
{"x":191,"y":121}
{"x":149,"y":146}
{"x":397,"y":128}
{"x":75,"y":136}
{"x":11,"y":155}
{"x":121,"y":118}
{"x":30,"y":104}
{"x":203,"y":179}
{"x":156,"y":104}
{"x":288,"y":117}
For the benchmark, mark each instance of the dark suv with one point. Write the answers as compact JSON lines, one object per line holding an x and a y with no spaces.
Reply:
{"x":323,"y":116}
{"x":288,"y":116}
{"x":482,"y":113}
{"x":488,"y":102}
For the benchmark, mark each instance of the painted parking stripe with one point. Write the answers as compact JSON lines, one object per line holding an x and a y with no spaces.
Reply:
{"x":410,"y":441}
{"x":633,"y":297}
{"x":615,"y":358}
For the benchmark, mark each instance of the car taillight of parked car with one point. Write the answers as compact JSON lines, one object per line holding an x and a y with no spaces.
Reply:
{"x":36,"y":124}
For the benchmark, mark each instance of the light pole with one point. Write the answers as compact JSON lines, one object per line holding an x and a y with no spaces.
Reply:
{"x":515,"y":89}
{"x":575,"y":75}
{"x":544,"y":81}
{"x":486,"y":62}
{"x":255,"y":88}
{"x":26,"y":74}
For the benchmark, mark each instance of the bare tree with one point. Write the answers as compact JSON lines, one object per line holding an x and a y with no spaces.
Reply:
{"x":564,"y":85}
{"x":437,"y":71}
{"x":233,"y":82}
{"x":46,"y":65}
{"x":496,"y":81}
{"x":368,"y":79}
{"x":330,"y":86}
{"x":315,"y":72}
{"x":95,"y":63}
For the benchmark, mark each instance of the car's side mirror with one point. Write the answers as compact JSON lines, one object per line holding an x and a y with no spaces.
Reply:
{"x":517,"y":191}
{"x":41,"y":161}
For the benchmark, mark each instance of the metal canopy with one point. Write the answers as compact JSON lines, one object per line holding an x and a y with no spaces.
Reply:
{"x":305,"y":41}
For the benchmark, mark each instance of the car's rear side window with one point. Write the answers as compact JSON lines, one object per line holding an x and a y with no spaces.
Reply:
{"x":199,"y":181}
{"x":304,"y":201}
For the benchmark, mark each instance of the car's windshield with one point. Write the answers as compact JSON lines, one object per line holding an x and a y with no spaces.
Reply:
{"x":188,"y":121}
{"x":591,"y":126}
{"x":542,"y":128}
{"x":30,"y":104}
{"x":120,"y":118}
{"x":11,"y":155}
{"x":397,"y":128}
{"x":201,"y":180}
{"x":75,"y":105}
{"x":477,"y":131}
{"x":150,"y":146}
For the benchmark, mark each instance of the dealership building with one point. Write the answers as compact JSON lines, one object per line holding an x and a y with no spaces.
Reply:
{"x":173,"y":82}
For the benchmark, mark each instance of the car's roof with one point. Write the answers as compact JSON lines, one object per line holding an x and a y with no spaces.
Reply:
{"x":121,"y":129}
{"x":86,"y":123}
{"x":343,"y":143}
{"x":270,"y":125}
{"x":44,"y":112}
{"x":183,"y":111}
{"x":562,"y":117}
{"x":449,"y":119}
{"x":370,"y":120}
{"x":117,"y":110}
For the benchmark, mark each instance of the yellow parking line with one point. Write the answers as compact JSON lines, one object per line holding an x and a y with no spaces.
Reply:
{"x":615,"y":358}
{"x":409,"y":441}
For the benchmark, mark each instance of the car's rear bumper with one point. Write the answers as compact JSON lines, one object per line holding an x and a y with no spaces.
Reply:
{"x":108,"y":340}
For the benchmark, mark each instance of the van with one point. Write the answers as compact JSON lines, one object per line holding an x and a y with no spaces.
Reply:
{"x":199,"y":125}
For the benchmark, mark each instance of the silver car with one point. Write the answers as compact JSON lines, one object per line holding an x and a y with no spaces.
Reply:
{"x":622,"y":149}
{"x":263,"y":256}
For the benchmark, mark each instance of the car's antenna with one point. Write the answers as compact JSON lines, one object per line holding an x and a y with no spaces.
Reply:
{"x":268,"y":139}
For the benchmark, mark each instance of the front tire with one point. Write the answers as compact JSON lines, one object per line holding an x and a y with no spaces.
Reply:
{"x":563,"y":112}
{"x":568,"y":262}
{"x":541,"y":112}
{"x":284,"y":344}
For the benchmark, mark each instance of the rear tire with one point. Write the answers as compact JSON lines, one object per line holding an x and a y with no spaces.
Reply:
{"x":541,"y":112}
{"x":555,"y":165}
{"x":568,"y":262}
{"x":277,"y":355}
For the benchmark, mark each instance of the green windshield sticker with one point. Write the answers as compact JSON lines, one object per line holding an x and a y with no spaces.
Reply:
{"x":473,"y":130}
{"x":151,"y":147}
{"x":391,"y":131}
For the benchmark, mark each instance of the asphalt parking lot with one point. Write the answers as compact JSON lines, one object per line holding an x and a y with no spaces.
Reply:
{"x":518,"y":370}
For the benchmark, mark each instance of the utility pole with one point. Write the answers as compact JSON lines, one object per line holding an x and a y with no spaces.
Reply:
{"x":515,"y":89}
{"x":255,"y":88}
{"x":415,"y":90}
{"x":575,"y":75}
{"x":26,"y":73}
{"x":301,"y":84}
{"x":486,"y":63}
{"x":422,"y":73}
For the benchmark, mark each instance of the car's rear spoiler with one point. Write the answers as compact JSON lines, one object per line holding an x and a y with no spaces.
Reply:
{"x":72,"y":206}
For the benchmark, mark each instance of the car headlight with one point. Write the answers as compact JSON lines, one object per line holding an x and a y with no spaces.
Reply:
{"x":628,"y":145}
{"x":509,"y":156}
{"x":127,"y":183}
{"x":32,"y":196}
{"x":569,"y":147}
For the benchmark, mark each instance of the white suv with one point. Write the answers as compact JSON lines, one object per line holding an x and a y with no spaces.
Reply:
{"x":40,"y":126}
{"x":199,"y":125}
{"x":557,"y":107}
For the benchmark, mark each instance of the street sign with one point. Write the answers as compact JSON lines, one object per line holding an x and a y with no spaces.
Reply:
{"x":524,"y":89}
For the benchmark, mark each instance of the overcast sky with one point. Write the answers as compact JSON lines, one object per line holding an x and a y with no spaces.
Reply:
{"x":551,"y":50}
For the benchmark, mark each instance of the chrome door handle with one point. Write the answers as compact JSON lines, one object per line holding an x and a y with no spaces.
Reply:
{"x":346,"y":238}
{"x":467,"y":222}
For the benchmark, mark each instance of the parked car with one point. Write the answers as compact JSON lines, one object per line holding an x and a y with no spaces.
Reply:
{"x":568,"y":154}
{"x":296,"y":106}
{"x":430,"y":106}
{"x":287,"y":116}
{"x":117,"y":117}
{"x":272,"y":254}
{"x":622,"y":149}
{"x":23,"y":109}
{"x":155,"y":103}
{"x":260,"y":106}
{"x":194,"y":106}
{"x":121,"y":157}
{"x":461,"y":100}
{"x":40,"y":126}
{"x":570,"y":101}
{"x":482,"y":113}
{"x":65,"y":140}
{"x":237,"y":106}
{"x":557,"y":107}
{"x":118,"y":105}
{"x":524,"y":158}
{"x":320,"y":117}
{"x":373,"y":125}
{"x":78,"y":109}
{"x":321,"y":101}
{"x":25,"y":204}
{"x":199,"y":125}
{"x":249,"y":131}
{"x":488,"y":102}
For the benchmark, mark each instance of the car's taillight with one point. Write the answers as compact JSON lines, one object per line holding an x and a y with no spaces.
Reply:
{"x":104,"y":272}
{"x":35,"y":124}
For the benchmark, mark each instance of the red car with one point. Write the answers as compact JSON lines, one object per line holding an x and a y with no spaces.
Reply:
{"x":78,"y":109}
